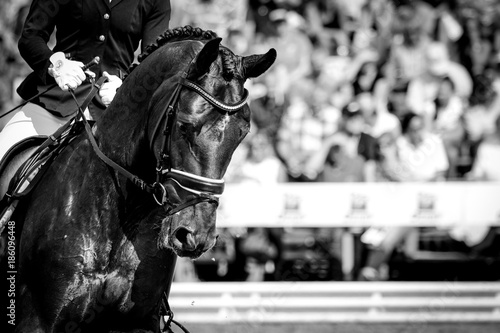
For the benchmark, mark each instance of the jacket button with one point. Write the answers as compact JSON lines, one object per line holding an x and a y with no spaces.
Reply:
{"x":106,"y":16}
{"x":102,"y":38}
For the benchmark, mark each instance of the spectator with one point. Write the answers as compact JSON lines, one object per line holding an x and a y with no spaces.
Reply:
{"x":423,"y":90}
{"x":388,"y":165}
{"x":336,"y":73}
{"x":374,"y":27}
{"x":349,"y":154}
{"x":324,"y":21}
{"x":341,"y":167}
{"x":397,"y":102}
{"x":262,"y":250}
{"x":482,"y":35}
{"x":479,"y":117}
{"x":302,"y":131}
{"x":367,"y":77}
{"x":412,"y":13}
{"x":448,"y":28}
{"x":484,"y":106}
{"x":448,"y":108}
{"x":410,"y":41}
{"x":487,"y":163}
{"x":422,"y":154}
{"x":294,"y":47}
{"x":371,"y":78}
{"x":261,"y":166}
{"x":378,"y":121}
{"x":447,"y":122}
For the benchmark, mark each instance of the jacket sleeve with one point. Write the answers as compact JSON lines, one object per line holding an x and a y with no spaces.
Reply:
{"x":38,"y":27}
{"x":156,"y":22}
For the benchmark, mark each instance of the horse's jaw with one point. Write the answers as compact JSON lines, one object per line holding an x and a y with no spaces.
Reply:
{"x":188,"y":233}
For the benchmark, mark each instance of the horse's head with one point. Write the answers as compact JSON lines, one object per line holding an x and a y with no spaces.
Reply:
{"x":198,"y":117}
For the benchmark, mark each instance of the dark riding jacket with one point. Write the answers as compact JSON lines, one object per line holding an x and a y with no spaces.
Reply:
{"x":86,"y":29}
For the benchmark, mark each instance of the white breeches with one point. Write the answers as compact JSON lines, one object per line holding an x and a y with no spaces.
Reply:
{"x":28,"y":121}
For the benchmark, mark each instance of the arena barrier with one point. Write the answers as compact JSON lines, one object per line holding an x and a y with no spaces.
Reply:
{"x":357,"y":302}
{"x":444,"y":204}
{"x":464,"y":208}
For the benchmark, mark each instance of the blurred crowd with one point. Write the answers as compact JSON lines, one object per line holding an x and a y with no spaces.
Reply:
{"x":376,"y":90}
{"x":362,"y":91}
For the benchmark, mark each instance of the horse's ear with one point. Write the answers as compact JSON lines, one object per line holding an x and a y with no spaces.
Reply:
{"x":257,"y":64}
{"x":205,"y":58}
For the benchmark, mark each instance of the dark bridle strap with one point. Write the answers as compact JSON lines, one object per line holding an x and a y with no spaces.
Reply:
{"x":229,"y":108}
{"x":168,"y":113}
{"x":136,"y":180}
{"x":178,"y":176}
{"x":165,"y":311}
{"x":194,"y":183}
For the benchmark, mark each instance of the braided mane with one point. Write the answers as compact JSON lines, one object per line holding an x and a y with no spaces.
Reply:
{"x":173,"y":35}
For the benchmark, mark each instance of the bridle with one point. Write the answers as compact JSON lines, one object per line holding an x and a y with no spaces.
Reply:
{"x":204,"y":189}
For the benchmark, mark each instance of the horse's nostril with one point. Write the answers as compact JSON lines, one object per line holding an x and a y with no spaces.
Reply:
{"x":186,"y":237}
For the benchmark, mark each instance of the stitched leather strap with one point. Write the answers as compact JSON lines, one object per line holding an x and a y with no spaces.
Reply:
{"x":229,"y":108}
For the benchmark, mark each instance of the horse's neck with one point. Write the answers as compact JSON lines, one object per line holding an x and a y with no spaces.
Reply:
{"x":121,"y":131}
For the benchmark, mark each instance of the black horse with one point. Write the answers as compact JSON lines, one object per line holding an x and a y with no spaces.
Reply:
{"x":99,"y":239}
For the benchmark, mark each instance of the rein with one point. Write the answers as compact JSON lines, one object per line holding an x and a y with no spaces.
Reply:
{"x":205,"y":189}
{"x":93,"y":62}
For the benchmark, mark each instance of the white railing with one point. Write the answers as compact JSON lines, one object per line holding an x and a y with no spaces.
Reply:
{"x":444,"y":204}
{"x":461,"y":206}
{"x":289,"y":302}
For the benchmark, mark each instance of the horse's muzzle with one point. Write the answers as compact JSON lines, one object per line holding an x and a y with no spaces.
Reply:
{"x":190,"y":232}
{"x":186,"y":244}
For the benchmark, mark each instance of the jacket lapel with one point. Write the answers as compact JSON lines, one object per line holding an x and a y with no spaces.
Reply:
{"x":107,"y":3}
{"x":114,"y":2}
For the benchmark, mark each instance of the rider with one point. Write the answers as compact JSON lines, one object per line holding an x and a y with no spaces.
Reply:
{"x":109,"y":29}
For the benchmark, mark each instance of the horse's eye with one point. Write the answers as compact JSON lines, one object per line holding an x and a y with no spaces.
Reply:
{"x":244,"y":131}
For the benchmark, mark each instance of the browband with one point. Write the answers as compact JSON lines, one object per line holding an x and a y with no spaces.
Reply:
{"x":212,"y":100}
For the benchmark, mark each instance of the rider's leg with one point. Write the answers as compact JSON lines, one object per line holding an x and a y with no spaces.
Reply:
{"x":30,"y":120}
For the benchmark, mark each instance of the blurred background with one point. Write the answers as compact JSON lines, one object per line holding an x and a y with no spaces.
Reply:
{"x":374,"y":153}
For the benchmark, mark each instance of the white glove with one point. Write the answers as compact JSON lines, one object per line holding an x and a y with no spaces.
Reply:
{"x":108,"y":89}
{"x":67,"y":73}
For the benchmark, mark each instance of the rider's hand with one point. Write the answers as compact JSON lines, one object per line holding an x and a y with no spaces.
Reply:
{"x":67,"y":73}
{"x":108,"y":89}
